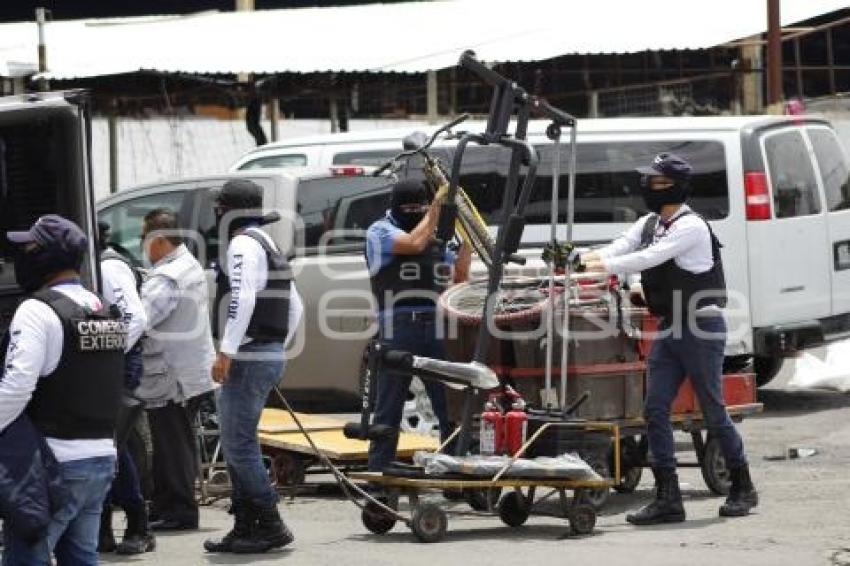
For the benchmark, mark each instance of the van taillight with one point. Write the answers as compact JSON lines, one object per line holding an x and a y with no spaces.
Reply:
{"x":758,"y":197}
{"x":347,"y":171}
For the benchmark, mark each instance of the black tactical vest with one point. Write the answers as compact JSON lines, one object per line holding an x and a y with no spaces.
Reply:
{"x":270,"y":319}
{"x":667,"y":283}
{"x":109,"y":253}
{"x":411,"y":280}
{"x":81,"y":398}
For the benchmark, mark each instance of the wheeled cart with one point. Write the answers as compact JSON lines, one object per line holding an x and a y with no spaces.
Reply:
{"x":429,"y":520}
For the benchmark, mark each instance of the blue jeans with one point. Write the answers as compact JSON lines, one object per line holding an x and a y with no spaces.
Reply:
{"x":418,"y":337}
{"x":673,"y":357}
{"x":72,"y":533}
{"x":240,"y":404}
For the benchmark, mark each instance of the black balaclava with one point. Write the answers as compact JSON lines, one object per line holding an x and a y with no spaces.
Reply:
{"x":404,"y":192}
{"x":656,"y":200}
{"x":673,"y":167}
{"x":246,"y":197}
{"x":34,"y":268}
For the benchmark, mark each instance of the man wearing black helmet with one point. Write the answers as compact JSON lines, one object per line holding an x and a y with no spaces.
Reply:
{"x":406,"y":279}
{"x":678,"y":257}
{"x":63,"y":368}
{"x":257,"y":310}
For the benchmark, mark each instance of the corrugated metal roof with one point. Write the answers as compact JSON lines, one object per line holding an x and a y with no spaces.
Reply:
{"x":407,"y":37}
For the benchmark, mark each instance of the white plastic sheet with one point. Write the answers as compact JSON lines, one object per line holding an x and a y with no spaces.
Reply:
{"x":823,"y":368}
{"x":565,"y":466}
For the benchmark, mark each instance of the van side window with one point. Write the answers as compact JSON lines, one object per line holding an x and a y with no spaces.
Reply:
{"x":792,"y":176}
{"x":125,"y":218}
{"x":833,"y":168}
{"x":607,"y":185}
{"x":373,"y":157}
{"x":338,"y":210}
{"x":275,"y":161}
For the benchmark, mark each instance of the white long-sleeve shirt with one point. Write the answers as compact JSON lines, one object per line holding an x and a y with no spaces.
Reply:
{"x":35,"y":349}
{"x":119,"y":288}
{"x":687,"y":241}
{"x":248,"y":269}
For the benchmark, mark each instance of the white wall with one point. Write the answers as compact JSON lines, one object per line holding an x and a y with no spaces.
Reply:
{"x":156,"y":149}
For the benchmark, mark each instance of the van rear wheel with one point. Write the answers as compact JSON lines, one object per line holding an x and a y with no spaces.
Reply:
{"x":766,"y":368}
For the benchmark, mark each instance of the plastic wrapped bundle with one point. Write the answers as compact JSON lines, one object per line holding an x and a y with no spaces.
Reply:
{"x":565,"y":466}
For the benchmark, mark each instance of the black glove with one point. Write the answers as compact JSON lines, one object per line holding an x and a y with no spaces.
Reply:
{"x":561,"y":254}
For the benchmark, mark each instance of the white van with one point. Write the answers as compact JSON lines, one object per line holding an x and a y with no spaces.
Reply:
{"x":775,"y":190}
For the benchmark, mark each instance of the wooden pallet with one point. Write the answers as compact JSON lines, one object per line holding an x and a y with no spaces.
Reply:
{"x":278,"y":431}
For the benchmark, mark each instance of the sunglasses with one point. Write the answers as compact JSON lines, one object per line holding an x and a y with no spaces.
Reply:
{"x":656,"y":182}
{"x":414,"y":207}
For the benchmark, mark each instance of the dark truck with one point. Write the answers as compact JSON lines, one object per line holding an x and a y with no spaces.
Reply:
{"x":45,"y":167}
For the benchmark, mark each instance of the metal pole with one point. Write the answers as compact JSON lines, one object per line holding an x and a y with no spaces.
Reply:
{"x":433,"y":113}
{"x":571,"y":200}
{"x":553,"y":239}
{"x":830,"y":55}
{"x":113,"y":152}
{"x":274,"y":116}
{"x":798,"y":63}
{"x":41,"y":20}
{"x":334,"y":112}
{"x":453,"y":93}
{"x":593,"y":104}
{"x":774,"y":53}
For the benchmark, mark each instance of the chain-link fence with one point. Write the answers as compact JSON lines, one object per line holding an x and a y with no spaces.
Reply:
{"x":700,"y":96}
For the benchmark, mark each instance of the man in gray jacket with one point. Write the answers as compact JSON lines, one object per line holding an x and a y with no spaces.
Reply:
{"x":178,"y":357}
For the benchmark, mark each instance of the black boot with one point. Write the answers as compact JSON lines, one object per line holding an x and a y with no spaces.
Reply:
{"x":667,"y":507}
{"x":270,"y":532}
{"x":742,"y":495}
{"x":244,"y":521}
{"x":105,"y":538}
{"x":138,"y":538}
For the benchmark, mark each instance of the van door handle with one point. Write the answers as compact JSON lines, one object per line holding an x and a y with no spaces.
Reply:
{"x":796,"y":289}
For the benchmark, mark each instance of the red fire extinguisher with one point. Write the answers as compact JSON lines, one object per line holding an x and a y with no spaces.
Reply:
{"x":492,"y":436}
{"x":516,"y":426}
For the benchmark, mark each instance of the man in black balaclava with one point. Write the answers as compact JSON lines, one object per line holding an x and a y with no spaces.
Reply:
{"x":407,"y":278}
{"x":678,"y":257}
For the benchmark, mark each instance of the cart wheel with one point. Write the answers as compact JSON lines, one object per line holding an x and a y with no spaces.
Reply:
{"x":288,"y":469}
{"x":482,"y":499}
{"x":377,"y":520}
{"x":714,"y":470}
{"x":429,"y":523}
{"x":582,"y":519}
{"x":513,"y":509}
{"x":630,"y":468}
{"x":597,"y":497}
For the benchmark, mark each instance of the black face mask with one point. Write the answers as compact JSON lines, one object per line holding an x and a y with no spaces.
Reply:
{"x":656,"y":200}
{"x":237,"y":222}
{"x":32,"y":269}
{"x":407,"y":221}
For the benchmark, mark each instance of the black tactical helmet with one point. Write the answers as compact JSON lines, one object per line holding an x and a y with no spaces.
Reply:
{"x":239,"y":194}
